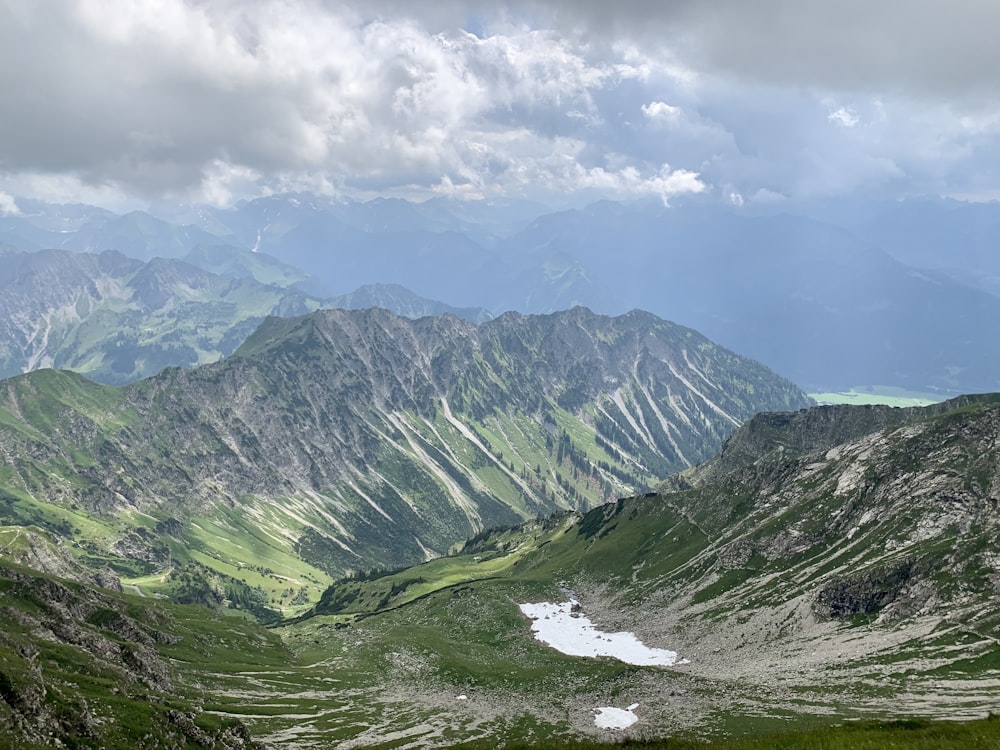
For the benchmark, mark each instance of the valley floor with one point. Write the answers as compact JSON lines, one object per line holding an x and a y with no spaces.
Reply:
{"x":395,"y":680}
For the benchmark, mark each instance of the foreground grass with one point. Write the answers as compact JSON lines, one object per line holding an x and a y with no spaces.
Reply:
{"x":914,"y":734}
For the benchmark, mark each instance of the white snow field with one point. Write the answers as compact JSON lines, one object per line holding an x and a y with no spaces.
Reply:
{"x":609,"y":717}
{"x":558,"y":626}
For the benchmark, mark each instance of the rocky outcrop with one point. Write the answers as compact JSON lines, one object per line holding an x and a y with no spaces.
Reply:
{"x":92,"y":622}
{"x":864,"y":594}
{"x":46,"y":552}
{"x":52,"y":633}
{"x":849,"y":515}
{"x":789,"y":435}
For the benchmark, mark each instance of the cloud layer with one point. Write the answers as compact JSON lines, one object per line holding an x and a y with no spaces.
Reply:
{"x":216,"y":99}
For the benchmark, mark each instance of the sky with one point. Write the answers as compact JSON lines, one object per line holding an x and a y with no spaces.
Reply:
{"x":126,"y":102}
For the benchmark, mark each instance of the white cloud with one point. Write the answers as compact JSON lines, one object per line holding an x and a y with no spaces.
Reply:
{"x":630,"y":182}
{"x":222,"y":182}
{"x":214,"y":100}
{"x":8,"y":206}
{"x":661,"y":112}
{"x":843,"y":116}
{"x":167,"y":97}
{"x":67,"y":188}
{"x":946,"y":51}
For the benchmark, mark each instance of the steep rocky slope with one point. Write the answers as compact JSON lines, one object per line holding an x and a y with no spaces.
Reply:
{"x":856,"y":580}
{"x":853,"y":575}
{"x":787,"y":435}
{"x":353,"y":439}
{"x":84,"y":667}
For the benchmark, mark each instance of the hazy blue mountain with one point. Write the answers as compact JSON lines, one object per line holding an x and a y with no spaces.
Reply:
{"x":481,"y":220}
{"x":118,"y":319}
{"x":850,"y":294}
{"x":236,"y":262}
{"x":345,"y":257}
{"x":48,"y":225}
{"x":956,"y":238}
{"x":809,"y":299}
{"x":138,"y":235}
{"x":402,"y":301}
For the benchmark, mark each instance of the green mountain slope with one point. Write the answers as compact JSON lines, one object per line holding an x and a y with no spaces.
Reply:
{"x":855,"y":581}
{"x":85,"y":667}
{"x":847,"y":582}
{"x":235,"y":262}
{"x":347,"y":440}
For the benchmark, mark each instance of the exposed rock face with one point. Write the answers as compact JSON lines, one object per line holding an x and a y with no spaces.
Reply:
{"x":382,"y":439}
{"x":787,"y":435}
{"x":86,"y":619}
{"x":53,"y":633}
{"x":864,"y":594}
{"x":46,"y":552}
{"x":896,"y":526}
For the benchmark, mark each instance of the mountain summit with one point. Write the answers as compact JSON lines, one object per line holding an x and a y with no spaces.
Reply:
{"x":349,"y":439}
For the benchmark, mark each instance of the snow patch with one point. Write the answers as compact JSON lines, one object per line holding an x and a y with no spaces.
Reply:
{"x":609,"y":717}
{"x":558,"y":626}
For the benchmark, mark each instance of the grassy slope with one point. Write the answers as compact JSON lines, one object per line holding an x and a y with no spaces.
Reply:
{"x":89,"y":668}
{"x":199,"y":325}
{"x":386,"y":673}
{"x":262,"y":534}
{"x":318,"y":449}
{"x":454,"y":624}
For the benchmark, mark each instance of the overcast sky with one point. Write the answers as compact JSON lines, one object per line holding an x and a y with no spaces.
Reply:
{"x":123,"y":101}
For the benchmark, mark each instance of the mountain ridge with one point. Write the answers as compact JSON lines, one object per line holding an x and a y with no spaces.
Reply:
{"x":835,"y":296}
{"x":349,"y":439}
{"x":117,"y":319}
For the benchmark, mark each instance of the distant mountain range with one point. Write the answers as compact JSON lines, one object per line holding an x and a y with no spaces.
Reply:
{"x":815,"y":302}
{"x":401,"y":301}
{"x":351,"y":439}
{"x":116,"y":319}
{"x":899,"y":294}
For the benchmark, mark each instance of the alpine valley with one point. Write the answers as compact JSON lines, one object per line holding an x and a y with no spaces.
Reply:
{"x":828,"y":565}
